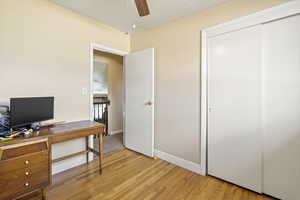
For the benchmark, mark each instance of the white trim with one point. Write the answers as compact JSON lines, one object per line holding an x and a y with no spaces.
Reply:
{"x":116,"y":132}
{"x":203,"y":122}
{"x":271,"y":14}
{"x":99,"y":47}
{"x":194,"y":167}
{"x":94,"y":46}
{"x":123,"y":102}
{"x":153,"y":101}
{"x":264,"y":16}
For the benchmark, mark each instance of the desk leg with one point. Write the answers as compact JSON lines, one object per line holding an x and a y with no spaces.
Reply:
{"x":43,"y":194}
{"x":50,"y":161}
{"x":87,"y":148}
{"x":100,"y":137}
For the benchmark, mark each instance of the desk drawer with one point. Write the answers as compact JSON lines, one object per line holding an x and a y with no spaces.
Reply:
{"x":13,"y":151}
{"x":21,"y":183}
{"x":22,"y":162}
{"x":17,"y":177}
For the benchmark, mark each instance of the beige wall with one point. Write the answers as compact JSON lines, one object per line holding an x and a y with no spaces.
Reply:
{"x":177,"y":46}
{"x":44,"y":50}
{"x":115,"y":89}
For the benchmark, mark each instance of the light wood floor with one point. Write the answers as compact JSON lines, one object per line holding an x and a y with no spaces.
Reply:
{"x":131,"y":176}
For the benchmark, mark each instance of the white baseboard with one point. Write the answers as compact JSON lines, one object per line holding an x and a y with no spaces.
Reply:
{"x":194,"y":167}
{"x":116,"y":132}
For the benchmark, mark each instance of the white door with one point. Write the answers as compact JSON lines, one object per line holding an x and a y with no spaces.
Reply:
{"x":234,"y":117}
{"x":281,"y":108}
{"x":139,"y":102}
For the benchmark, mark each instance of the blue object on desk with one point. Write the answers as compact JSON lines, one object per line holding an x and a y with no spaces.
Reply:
{"x":4,"y":133}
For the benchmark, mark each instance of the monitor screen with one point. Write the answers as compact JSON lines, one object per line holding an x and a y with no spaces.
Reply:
{"x":24,"y":111}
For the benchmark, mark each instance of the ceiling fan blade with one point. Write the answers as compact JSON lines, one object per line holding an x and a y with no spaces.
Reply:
{"x":142,"y":7}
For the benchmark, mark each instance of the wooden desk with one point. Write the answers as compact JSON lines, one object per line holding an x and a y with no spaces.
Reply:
{"x":25,"y":163}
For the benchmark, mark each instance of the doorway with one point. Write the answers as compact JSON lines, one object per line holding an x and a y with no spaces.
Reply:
{"x":108,"y":92}
{"x":135,"y":97}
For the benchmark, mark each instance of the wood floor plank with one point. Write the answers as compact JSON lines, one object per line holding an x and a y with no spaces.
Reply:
{"x":128,"y":175}
{"x":164,"y":186}
{"x":130,"y":188}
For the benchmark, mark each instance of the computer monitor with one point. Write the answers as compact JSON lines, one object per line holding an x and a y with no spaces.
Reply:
{"x":25,"y":111}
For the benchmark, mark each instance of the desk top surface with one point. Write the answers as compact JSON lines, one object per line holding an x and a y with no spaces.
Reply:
{"x":60,"y":132}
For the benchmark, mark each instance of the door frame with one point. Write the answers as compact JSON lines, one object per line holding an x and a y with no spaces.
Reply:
{"x":99,"y":47}
{"x":278,"y":12}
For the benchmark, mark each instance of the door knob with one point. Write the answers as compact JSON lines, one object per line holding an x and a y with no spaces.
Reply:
{"x":149,"y":103}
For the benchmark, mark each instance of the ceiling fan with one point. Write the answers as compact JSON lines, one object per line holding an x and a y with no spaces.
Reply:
{"x":142,"y":7}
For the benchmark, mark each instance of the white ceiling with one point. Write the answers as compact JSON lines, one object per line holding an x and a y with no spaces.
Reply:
{"x":122,"y":14}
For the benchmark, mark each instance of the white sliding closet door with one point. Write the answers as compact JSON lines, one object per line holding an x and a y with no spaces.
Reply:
{"x":234,"y":100}
{"x":281,"y":108}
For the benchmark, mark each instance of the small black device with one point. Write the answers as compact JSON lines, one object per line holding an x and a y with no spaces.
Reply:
{"x":25,"y":111}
